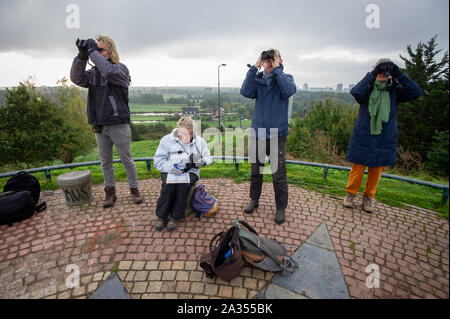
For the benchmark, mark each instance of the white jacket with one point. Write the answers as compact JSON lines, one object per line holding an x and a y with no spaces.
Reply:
{"x":172,"y":151}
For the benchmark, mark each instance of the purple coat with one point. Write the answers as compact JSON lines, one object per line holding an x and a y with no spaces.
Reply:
{"x":108,"y":89}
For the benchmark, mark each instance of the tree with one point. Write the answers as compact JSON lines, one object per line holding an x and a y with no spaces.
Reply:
{"x":420,"y":120}
{"x":72,"y":108}
{"x":31,"y":131}
{"x":34,"y":130}
{"x":333,"y":117}
{"x":323,"y":133}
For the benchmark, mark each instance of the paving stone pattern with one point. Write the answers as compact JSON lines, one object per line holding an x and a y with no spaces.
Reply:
{"x":410,"y":246}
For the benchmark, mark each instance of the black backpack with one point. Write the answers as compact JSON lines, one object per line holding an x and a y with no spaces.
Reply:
{"x":20,"y":198}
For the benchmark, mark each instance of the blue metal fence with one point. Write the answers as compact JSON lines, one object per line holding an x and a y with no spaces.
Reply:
{"x":236,"y":159}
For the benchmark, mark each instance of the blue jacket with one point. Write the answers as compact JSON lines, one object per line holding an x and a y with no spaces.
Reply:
{"x":271,"y":106}
{"x":378,"y":150}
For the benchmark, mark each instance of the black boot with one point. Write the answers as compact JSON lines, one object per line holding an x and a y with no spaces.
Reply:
{"x":251,"y":206}
{"x":279,"y":216}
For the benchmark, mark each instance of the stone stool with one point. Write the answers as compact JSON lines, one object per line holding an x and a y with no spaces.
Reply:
{"x":76,"y":187}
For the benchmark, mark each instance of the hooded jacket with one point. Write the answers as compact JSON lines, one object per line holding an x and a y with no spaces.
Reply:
{"x":378,"y":150}
{"x":172,"y":151}
{"x":107,"y":85}
{"x":272,"y":99}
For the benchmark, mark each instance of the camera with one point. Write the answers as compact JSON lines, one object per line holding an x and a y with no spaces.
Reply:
{"x":268,"y":55}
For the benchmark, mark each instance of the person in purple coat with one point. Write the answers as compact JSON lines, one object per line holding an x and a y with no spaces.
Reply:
{"x":373,"y":141}
{"x":107,"y":109}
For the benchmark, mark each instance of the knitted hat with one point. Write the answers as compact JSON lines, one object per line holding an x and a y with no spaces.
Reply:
{"x":382,"y":60}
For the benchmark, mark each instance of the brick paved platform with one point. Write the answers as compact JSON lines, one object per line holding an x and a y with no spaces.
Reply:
{"x":410,"y":246}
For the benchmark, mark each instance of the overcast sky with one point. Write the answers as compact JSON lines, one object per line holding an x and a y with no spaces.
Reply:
{"x":181,"y":42}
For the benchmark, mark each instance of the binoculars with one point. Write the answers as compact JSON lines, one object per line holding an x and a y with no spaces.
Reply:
{"x":268,"y":55}
{"x":386,"y":69}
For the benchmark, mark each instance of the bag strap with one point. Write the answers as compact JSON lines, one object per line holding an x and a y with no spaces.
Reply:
{"x":245,"y":224}
{"x":214,"y":238}
{"x":41,"y":207}
{"x":287,"y":265}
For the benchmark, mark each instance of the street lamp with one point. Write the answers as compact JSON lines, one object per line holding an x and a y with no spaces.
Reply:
{"x":218,"y":88}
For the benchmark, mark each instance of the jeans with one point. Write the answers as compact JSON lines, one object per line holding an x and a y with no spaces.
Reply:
{"x":118,"y":135}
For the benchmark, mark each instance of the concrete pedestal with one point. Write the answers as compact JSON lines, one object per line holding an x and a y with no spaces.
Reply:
{"x":76,"y":187}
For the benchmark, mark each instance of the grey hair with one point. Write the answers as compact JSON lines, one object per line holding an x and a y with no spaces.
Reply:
{"x":382,"y":60}
{"x":276,"y":51}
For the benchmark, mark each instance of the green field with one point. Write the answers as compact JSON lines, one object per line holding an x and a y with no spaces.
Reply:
{"x":148,"y":118}
{"x":154,"y":108}
{"x":391,"y":192}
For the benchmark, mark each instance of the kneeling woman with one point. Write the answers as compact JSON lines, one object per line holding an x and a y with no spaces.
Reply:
{"x":178,"y":153}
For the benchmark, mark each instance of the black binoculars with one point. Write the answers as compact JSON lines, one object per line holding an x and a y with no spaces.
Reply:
{"x":268,"y":55}
{"x":386,"y":69}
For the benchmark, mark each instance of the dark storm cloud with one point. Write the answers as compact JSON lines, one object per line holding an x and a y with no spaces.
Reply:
{"x":206,"y":27}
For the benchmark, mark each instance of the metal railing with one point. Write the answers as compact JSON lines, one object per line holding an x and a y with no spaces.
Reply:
{"x":236,"y":159}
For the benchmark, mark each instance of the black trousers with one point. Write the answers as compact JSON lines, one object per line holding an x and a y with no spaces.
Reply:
{"x":257,"y":152}
{"x":173,"y":198}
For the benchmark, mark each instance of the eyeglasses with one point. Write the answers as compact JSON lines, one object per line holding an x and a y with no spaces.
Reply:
{"x":184,"y":135}
{"x":101,"y":50}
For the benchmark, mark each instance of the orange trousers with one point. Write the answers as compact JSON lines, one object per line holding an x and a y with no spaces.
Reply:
{"x":356,"y":177}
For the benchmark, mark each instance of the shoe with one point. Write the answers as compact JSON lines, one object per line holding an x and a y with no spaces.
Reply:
{"x":172,"y":225}
{"x":110,"y":197}
{"x":348,"y":200}
{"x":367,"y":205}
{"x":251,"y":206}
{"x":279,"y":216}
{"x":136,"y":196}
{"x":160,"y":224}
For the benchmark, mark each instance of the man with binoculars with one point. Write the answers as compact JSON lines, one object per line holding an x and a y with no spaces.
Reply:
{"x":271,"y":90}
{"x":107,"y":109}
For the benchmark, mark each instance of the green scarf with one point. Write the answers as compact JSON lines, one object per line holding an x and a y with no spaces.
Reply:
{"x":379,"y":106}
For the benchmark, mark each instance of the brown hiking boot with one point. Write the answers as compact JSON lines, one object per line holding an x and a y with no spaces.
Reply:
{"x":367,"y":205}
{"x":110,"y":197}
{"x":136,"y":196}
{"x":348,"y":200}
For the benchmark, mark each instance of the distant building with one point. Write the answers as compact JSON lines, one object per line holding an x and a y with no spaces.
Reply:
{"x":190,"y":110}
{"x":215,"y":115}
{"x":339,"y":87}
{"x":305,"y":86}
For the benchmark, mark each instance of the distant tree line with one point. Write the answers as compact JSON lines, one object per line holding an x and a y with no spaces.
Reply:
{"x":147,"y":98}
